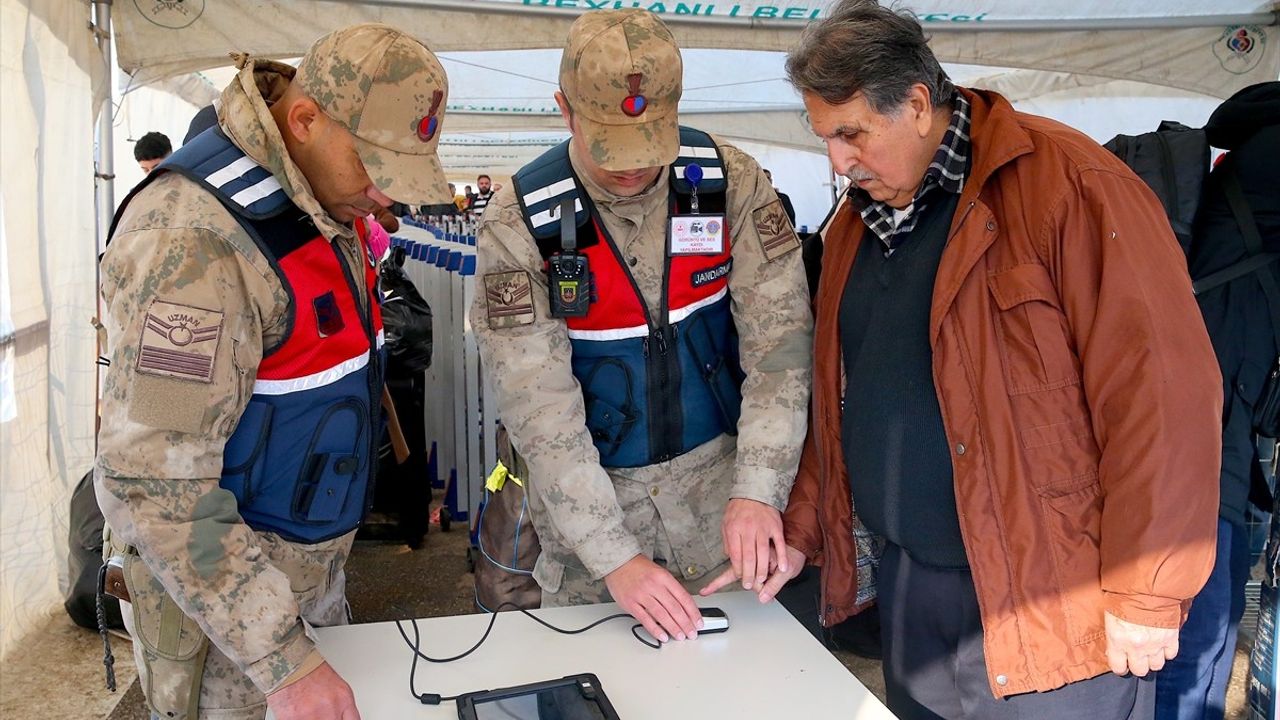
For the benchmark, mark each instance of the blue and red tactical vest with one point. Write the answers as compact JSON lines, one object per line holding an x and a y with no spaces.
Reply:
{"x":655,"y":384}
{"x":302,"y":458}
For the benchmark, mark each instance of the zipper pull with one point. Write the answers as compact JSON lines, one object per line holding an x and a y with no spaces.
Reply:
{"x":661,"y":336}
{"x":644,"y":344}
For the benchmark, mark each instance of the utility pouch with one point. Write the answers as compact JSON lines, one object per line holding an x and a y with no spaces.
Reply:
{"x":173,"y":647}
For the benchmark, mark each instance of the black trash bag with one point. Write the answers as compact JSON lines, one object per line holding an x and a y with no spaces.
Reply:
{"x":406,"y":320}
{"x":84,"y":559}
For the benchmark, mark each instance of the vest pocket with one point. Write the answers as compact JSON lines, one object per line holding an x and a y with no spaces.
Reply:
{"x":607,"y":392}
{"x":331,"y":469}
{"x":245,"y":453}
{"x":719,"y":372}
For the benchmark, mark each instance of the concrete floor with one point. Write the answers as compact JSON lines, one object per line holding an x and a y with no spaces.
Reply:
{"x":58,"y":674}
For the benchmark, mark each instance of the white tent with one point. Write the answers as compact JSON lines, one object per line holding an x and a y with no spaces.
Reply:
{"x":1104,"y":66}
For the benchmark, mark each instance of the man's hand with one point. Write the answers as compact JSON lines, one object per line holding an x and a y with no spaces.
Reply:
{"x":655,"y":598}
{"x":320,"y":695}
{"x":769,"y":589}
{"x":748,"y":528}
{"x":1138,"y":649}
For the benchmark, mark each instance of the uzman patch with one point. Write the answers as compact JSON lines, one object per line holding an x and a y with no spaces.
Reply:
{"x":776,"y":236}
{"x":180,"y":341}
{"x":508,"y":299}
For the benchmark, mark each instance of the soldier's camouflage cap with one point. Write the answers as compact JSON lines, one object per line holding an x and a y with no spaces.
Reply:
{"x":390,"y":91}
{"x":621,"y":73}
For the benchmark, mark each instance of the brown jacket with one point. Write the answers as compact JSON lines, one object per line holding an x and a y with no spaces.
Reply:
{"x":1079,"y":394}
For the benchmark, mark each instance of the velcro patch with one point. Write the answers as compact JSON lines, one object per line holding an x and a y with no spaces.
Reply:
{"x":328,"y":315}
{"x":711,"y":274}
{"x":776,"y":236}
{"x":180,"y":341}
{"x":508,"y":299}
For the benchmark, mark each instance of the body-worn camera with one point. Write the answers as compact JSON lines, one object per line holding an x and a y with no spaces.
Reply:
{"x":569,"y":282}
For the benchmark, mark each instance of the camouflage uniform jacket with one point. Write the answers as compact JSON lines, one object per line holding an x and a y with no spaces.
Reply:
{"x":575,"y":501}
{"x":178,"y":253}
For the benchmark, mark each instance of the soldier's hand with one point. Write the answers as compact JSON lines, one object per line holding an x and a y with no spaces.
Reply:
{"x":1138,"y":649}
{"x":389,"y":222}
{"x":320,"y":695}
{"x":748,"y":529}
{"x":777,"y":577}
{"x":655,"y":598}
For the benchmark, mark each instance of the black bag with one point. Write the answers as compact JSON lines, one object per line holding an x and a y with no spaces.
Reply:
{"x":406,"y":320}
{"x":84,"y":559}
{"x":1174,"y":162}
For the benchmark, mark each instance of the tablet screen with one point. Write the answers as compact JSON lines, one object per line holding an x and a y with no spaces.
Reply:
{"x":557,"y":703}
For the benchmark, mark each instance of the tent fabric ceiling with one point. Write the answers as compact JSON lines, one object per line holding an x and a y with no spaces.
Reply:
{"x":1210,"y":48}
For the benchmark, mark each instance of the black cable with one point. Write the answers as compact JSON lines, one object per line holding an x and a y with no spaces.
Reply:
{"x":415,"y":645}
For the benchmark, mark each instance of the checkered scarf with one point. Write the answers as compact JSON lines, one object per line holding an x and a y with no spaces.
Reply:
{"x":945,"y":172}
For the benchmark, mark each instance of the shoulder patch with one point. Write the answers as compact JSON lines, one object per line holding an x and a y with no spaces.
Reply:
{"x":180,"y":341}
{"x":508,"y":298}
{"x":776,"y":236}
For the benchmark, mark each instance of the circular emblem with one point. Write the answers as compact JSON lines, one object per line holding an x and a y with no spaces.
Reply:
{"x":427,"y":128}
{"x":1239,"y":49}
{"x":181,"y":335}
{"x":713,"y":228}
{"x":634,"y":105}
{"x":1240,"y":42}
{"x":172,"y":14}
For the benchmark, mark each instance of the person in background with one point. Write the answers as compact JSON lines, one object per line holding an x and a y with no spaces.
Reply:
{"x":484,"y":193}
{"x":1015,"y":434}
{"x":786,"y":199}
{"x":151,"y":150}
{"x":1241,"y":316}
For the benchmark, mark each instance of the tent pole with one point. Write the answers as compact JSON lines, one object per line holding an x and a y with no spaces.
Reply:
{"x":104,"y":163}
{"x":104,"y":185}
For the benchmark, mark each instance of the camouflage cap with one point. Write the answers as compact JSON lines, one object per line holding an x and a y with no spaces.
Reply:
{"x":621,"y":73}
{"x":390,"y":91}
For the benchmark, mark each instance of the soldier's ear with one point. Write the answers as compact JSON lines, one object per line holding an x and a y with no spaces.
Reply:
{"x":566,"y":110}
{"x":304,"y":119}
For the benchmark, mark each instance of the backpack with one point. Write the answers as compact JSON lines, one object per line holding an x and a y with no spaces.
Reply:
{"x":84,"y":542}
{"x":1174,"y":162}
{"x":406,"y":320}
{"x":505,"y":537}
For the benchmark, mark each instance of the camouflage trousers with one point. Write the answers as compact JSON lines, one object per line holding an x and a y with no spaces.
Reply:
{"x":319,"y":584}
{"x":674,"y":509}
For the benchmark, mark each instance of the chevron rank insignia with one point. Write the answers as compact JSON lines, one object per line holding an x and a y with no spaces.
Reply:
{"x":508,"y":299}
{"x":180,"y":341}
{"x":776,"y":236}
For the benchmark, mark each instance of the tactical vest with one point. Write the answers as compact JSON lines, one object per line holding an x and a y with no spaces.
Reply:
{"x":301,"y":460}
{"x":655,"y":384}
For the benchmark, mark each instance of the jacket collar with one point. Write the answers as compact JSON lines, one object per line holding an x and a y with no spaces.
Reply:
{"x":997,"y":138}
{"x":245,"y":115}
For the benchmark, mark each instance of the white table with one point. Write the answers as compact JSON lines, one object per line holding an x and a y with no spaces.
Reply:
{"x":765,"y":666}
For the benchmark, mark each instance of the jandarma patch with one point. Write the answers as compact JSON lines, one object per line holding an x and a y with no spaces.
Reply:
{"x":180,"y":341}
{"x":508,"y":299}
{"x":711,"y":274}
{"x":776,"y":237}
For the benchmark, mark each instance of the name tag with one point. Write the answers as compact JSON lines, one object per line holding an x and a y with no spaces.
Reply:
{"x":696,"y":235}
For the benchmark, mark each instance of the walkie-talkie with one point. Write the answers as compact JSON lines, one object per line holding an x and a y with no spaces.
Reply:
{"x":568,"y":273}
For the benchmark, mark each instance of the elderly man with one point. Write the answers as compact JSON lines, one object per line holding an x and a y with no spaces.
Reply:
{"x":645,"y":321}
{"x":1012,"y":386}
{"x":241,"y":411}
